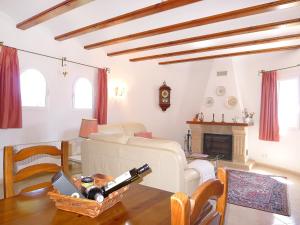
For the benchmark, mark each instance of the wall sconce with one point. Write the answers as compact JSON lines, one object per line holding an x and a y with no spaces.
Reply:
{"x":119,"y":91}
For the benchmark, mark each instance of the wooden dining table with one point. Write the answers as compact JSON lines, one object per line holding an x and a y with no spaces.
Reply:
{"x":141,"y":205}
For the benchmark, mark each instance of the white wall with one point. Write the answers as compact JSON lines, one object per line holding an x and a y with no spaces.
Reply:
{"x":229,"y":82}
{"x":58,"y":120}
{"x":284,"y":154}
{"x":243,"y":72}
{"x":143,"y":80}
{"x":188,"y":82}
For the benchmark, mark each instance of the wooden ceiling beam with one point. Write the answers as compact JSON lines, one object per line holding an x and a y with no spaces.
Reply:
{"x":246,"y":30}
{"x":253,"y":10}
{"x":150,"y":10}
{"x":291,"y":47}
{"x":219,"y":47}
{"x":52,"y":12}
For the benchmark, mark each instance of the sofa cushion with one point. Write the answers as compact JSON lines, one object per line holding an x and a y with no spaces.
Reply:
{"x":115,"y":138}
{"x":154,"y":143}
{"x":158,"y":143}
{"x":144,"y":134}
{"x":131,"y":128}
{"x":110,"y":129}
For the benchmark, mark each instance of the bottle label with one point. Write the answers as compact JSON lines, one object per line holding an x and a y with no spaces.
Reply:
{"x":118,"y":180}
{"x":99,"y":198}
{"x":86,"y":185}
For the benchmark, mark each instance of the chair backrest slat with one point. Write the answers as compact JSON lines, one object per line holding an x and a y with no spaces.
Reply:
{"x":36,"y":170}
{"x":36,"y":150}
{"x":192,"y":211}
{"x":211,"y":188}
{"x":36,"y":186}
{"x":10,"y":159}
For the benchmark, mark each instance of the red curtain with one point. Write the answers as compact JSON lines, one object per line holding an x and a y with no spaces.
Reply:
{"x":10,"y":94}
{"x":101,"y":97}
{"x":268,"y":127}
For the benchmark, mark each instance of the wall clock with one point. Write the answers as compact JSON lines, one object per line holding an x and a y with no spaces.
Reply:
{"x":164,"y":96}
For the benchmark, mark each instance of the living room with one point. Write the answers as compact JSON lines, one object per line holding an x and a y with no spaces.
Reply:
{"x":133,"y":86}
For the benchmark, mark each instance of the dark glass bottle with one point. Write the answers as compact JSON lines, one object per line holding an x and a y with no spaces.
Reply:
{"x":124,"y":179}
{"x":99,"y":193}
{"x":94,"y":193}
{"x":86,"y":182}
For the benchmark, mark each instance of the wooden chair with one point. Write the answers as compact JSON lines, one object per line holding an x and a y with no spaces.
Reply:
{"x":189,"y":211}
{"x":10,"y":159}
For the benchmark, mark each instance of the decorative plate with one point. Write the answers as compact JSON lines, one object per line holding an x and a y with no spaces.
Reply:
{"x":209,"y":101}
{"x":231,"y":101}
{"x":220,"y":90}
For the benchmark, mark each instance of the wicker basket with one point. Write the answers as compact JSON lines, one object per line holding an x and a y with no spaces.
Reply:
{"x":87,"y":207}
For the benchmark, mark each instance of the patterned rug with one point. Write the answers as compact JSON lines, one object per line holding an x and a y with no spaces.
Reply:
{"x":257,"y":191}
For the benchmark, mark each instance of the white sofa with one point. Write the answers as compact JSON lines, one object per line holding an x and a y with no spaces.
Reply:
{"x":114,"y":150}
{"x":121,"y":128}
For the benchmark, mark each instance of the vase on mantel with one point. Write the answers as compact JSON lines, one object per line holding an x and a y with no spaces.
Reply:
{"x":251,"y":122}
{"x":248,"y":120}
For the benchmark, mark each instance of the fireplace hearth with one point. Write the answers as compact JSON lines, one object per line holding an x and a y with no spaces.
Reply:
{"x":218,"y":144}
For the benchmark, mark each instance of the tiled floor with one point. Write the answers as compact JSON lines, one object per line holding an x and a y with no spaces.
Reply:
{"x":237,"y":215}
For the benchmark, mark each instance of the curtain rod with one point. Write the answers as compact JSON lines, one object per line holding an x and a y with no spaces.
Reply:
{"x":284,"y":68}
{"x":60,"y":59}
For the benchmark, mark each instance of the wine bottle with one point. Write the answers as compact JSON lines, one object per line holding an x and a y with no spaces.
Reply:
{"x":99,"y":193}
{"x":124,"y":179}
{"x":94,"y":193}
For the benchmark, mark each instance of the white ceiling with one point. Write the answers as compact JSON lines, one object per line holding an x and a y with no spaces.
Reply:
{"x":99,"y":10}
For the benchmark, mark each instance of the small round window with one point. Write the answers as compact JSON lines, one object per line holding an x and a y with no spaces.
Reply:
{"x":33,"y":88}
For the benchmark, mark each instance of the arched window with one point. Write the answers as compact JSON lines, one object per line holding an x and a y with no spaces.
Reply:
{"x":83,"y":94}
{"x":33,"y":88}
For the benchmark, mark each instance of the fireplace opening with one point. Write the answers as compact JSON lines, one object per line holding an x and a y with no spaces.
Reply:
{"x":216,"y":144}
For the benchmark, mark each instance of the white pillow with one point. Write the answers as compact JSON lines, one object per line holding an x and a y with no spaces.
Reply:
{"x":110,"y":129}
{"x":131,"y":128}
{"x":158,"y":143}
{"x":115,"y":138}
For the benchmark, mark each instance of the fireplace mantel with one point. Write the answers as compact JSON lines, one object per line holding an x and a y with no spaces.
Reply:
{"x":218,"y":123}
{"x":237,"y":130}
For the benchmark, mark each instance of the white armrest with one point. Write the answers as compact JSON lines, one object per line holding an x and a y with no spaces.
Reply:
{"x":191,"y":180}
{"x":205,"y":168}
